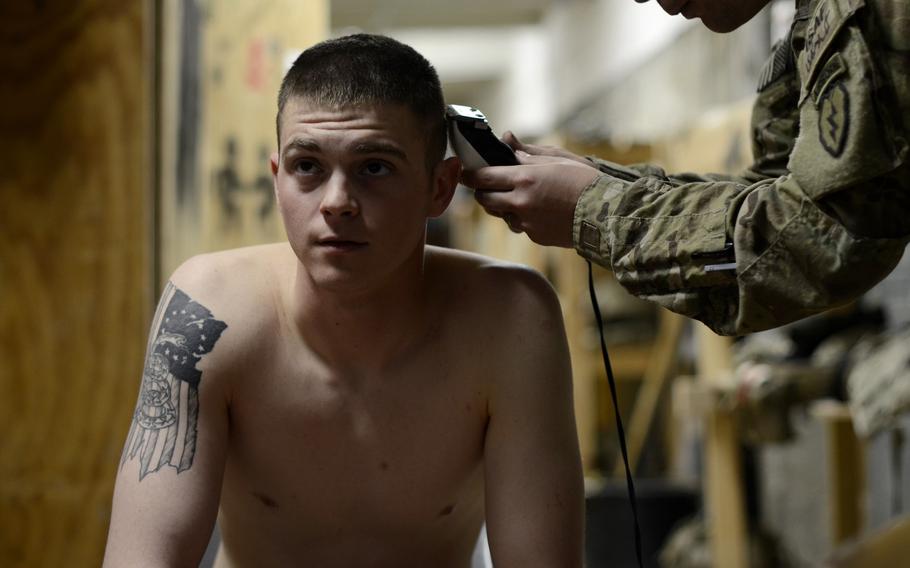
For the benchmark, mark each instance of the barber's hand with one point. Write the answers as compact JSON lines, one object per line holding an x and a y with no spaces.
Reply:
{"x":538,"y":196}
{"x":516,"y":144}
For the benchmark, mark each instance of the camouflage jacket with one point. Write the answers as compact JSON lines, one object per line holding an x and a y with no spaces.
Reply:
{"x":822,"y":214}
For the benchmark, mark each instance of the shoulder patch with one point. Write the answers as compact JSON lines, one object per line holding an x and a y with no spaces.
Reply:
{"x":834,"y":69}
{"x":834,"y":119}
{"x":821,"y":25}
{"x":827,"y":19}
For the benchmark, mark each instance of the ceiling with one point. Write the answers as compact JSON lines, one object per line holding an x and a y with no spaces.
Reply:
{"x":371,"y":16}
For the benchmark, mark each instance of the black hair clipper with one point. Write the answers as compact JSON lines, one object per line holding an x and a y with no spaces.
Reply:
{"x":473,"y":140}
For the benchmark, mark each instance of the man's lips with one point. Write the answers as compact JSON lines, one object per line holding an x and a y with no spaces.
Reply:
{"x":341,"y":244}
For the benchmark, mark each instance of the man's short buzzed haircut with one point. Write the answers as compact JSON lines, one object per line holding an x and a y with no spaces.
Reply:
{"x":364,"y":69}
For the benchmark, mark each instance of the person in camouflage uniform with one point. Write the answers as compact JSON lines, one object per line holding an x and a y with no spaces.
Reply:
{"x":878,"y":381}
{"x":821,"y":216}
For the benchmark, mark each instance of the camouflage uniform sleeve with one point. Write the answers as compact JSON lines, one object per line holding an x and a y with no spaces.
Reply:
{"x":821,"y":216}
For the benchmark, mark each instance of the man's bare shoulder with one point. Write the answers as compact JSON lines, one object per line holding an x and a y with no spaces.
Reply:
{"x":241,"y":287}
{"x":502,"y":288}
{"x":235,"y":274}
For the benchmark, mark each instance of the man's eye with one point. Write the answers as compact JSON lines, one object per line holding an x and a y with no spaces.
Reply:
{"x":377,"y":169}
{"x":306,"y":167}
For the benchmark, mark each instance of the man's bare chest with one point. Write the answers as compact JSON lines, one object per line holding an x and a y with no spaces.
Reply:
{"x":349,"y":451}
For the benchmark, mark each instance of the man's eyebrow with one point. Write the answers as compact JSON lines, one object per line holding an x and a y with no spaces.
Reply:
{"x":301,"y":144}
{"x":368,"y":147}
{"x":380,"y":148}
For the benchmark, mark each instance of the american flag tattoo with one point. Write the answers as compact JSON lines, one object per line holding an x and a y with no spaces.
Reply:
{"x":163,"y":431}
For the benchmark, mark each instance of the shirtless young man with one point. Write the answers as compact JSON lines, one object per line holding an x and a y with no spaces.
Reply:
{"x":353,"y":397}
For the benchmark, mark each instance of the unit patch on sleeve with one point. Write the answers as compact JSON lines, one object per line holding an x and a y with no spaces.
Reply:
{"x":834,"y":119}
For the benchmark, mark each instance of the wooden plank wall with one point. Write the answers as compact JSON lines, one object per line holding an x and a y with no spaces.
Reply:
{"x":216,"y":183}
{"x":75,"y":278}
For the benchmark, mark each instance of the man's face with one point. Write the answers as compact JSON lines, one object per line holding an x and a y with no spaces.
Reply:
{"x":355,"y":190}
{"x":720,"y":16}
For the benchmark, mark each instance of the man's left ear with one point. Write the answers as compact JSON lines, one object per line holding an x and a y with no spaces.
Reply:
{"x":445,"y":180}
{"x":273,"y":166}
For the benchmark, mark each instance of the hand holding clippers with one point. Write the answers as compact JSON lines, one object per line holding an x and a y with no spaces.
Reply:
{"x":473,"y":140}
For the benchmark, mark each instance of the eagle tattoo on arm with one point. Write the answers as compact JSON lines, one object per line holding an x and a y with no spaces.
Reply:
{"x":163,"y":431}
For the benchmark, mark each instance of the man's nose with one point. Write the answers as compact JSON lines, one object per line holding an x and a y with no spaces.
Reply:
{"x":339,"y":199}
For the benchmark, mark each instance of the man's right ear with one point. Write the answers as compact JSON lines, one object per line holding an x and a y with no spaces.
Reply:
{"x":445,"y":180}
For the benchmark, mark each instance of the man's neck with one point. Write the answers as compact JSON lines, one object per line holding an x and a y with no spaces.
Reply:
{"x":361,"y":329}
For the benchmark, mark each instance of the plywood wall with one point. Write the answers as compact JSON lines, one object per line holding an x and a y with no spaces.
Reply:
{"x":75,"y":276}
{"x":223,"y":64}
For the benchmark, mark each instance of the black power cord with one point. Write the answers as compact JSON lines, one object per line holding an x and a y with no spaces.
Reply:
{"x":619,"y":429}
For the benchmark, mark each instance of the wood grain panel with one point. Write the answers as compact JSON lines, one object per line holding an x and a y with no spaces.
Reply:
{"x":74,"y":267}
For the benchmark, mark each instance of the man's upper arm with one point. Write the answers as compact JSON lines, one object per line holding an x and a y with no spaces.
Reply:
{"x":534,"y":484}
{"x":169,"y":482}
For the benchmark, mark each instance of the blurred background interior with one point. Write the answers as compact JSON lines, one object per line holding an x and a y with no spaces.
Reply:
{"x":136,"y":133}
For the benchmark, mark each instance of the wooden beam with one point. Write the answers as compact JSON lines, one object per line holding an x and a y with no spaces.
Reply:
{"x":658,"y":371}
{"x":887,"y":546}
{"x":726,"y":510}
{"x":845,"y":470}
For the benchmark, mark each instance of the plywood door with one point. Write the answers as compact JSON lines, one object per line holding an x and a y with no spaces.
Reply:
{"x":75,"y":279}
